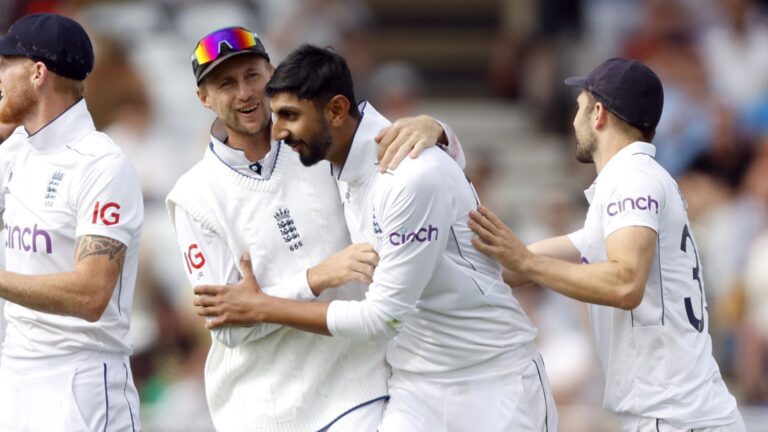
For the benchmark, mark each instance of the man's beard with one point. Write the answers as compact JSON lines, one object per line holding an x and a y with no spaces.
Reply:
{"x":234,"y":124}
{"x":586,"y":146}
{"x":316,"y":148}
{"x":16,"y":108}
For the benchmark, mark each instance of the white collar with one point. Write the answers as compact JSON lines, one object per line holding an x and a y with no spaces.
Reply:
{"x":66,"y":129}
{"x":235,"y":158}
{"x":636,"y":148}
{"x":361,"y":160}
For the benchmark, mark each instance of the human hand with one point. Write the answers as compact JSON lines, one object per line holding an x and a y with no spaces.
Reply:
{"x":497,"y":240}
{"x":231,"y":304}
{"x":353,"y":263}
{"x":407,"y":136}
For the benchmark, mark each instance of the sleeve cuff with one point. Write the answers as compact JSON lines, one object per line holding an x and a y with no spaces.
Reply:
{"x":575,"y":238}
{"x":122,"y":236}
{"x":630,"y":222}
{"x":334,"y":317}
{"x":330,"y":317}
{"x":295,"y":287}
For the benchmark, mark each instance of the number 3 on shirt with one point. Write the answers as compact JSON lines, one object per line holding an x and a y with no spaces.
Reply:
{"x":697,"y":323}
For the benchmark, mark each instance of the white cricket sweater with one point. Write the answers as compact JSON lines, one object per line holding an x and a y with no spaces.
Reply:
{"x":290,"y":220}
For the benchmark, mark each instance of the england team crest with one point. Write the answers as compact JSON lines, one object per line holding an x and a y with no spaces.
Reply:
{"x":288,"y":229}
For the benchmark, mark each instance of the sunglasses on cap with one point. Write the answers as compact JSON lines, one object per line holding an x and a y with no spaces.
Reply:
{"x":223,"y":43}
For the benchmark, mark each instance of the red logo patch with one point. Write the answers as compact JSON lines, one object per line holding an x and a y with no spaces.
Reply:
{"x":194,"y":258}
{"x":101,"y":213}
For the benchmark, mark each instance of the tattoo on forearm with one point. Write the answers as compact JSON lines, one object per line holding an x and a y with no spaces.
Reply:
{"x":98,"y":245}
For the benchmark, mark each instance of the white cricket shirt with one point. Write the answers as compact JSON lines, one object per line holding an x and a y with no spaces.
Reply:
{"x":66,"y":181}
{"x":443,"y":303}
{"x":658,"y":357}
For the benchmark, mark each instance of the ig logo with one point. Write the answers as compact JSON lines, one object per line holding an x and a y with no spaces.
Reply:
{"x":194,"y":258}
{"x":107,"y":213}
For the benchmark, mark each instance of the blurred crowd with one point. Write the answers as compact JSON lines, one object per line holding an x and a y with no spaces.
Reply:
{"x":711,"y":55}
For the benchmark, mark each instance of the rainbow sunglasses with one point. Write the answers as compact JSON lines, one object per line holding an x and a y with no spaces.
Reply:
{"x":222,"y":42}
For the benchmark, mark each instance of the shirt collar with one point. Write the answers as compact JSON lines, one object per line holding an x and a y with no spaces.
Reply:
{"x":65,"y":130}
{"x":636,"y":148}
{"x":361,"y":160}
{"x":235,"y":158}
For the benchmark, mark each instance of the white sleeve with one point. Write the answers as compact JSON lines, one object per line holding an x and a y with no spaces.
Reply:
{"x":415,"y":220}
{"x":577,"y":238}
{"x":634,"y":200}
{"x":208,"y":260}
{"x":454,"y":146}
{"x":109,"y":202}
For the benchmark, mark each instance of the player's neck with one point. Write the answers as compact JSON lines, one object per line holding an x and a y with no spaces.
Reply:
{"x":607,"y":147}
{"x":254,"y":146}
{"x":342,"y":138}
{"x":48,"y":109}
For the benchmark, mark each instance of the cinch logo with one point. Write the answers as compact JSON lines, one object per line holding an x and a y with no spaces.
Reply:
{"x":421,"y":235}
{"x":100,"y":213}
{"x":194,"y":258}
{"x":639,"y":203}
{"x":26,"y":238}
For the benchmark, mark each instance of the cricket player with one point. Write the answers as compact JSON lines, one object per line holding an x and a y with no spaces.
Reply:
{"x":635,"y":261}
{"x":251,"y":194}
{"x":72,"y":212}
{"x":461,"y":349}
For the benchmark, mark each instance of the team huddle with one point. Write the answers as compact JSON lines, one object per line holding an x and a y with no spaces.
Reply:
{"x":345,"y":291}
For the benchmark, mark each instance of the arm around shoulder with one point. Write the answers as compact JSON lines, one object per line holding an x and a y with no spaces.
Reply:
{"x":411,"y":135}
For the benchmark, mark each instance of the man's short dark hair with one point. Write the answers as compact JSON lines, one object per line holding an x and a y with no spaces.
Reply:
{"x":316,"y":74}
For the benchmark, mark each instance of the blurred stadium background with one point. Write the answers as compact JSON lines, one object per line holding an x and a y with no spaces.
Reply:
{"x":492,"y":69}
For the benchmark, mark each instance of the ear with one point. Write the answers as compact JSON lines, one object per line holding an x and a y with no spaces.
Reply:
{"x":336,"y":110}
{"x":202,"y":94}
{"x":600,"y":116}
{"x":39,"y":74}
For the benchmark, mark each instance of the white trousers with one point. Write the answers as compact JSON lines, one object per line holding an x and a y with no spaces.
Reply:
{"x":363,"y":419}
{"x":84,"y":397}
{"x":645,"y":424}
{"x":516,"y":401}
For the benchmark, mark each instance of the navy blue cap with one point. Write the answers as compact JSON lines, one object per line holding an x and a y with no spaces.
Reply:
{"x":627,"y":88}
{"x":59,"y":42}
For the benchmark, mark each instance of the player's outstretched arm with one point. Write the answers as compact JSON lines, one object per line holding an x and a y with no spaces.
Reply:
{"x":83,"y":293}
{"x":410,"y":136}
{"x":559,"y":247}
{"x":618,"y":282}
{"x":498,"y":241}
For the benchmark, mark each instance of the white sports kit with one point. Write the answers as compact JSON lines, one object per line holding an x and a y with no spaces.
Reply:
{"x":462,"y":350}
{"x":61,"y":373}
{"x":657,"y":358}
{"x":268,"y":377}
